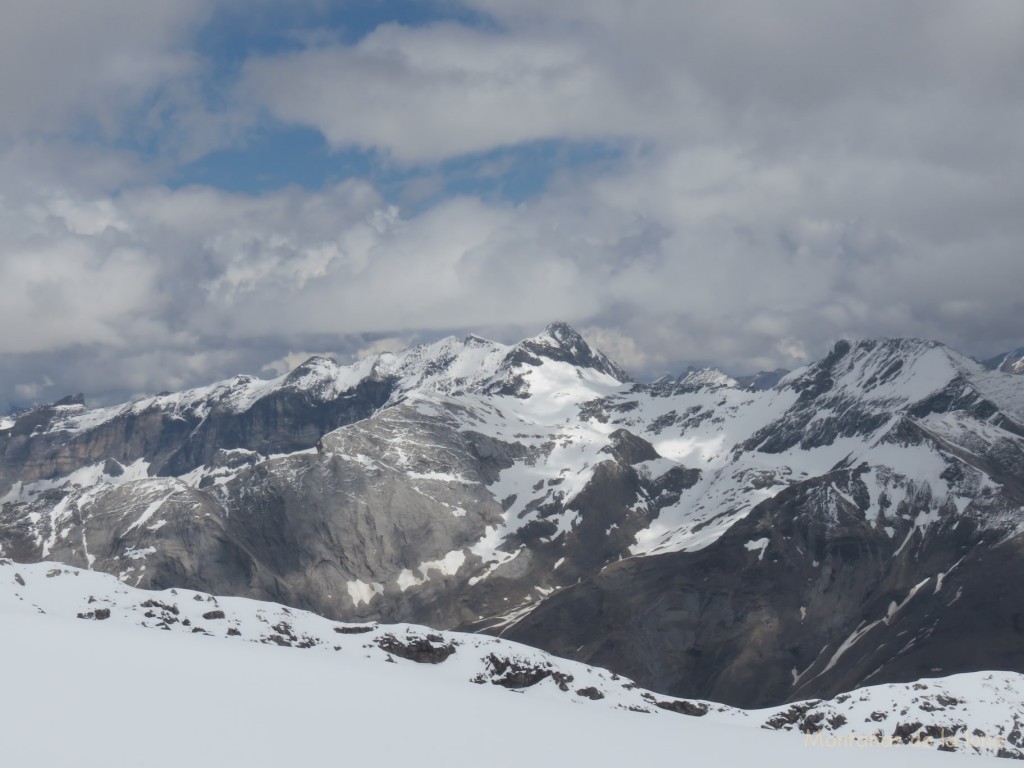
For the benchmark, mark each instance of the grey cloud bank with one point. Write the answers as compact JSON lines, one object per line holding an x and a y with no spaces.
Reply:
{"x":792,"y":173}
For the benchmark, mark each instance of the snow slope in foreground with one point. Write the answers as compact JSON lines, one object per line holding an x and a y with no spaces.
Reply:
{"x":92,"y":695}
{"x":101,"y":693}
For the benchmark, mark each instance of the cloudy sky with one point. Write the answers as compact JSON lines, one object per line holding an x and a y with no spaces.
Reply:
{"x":190,"y":189}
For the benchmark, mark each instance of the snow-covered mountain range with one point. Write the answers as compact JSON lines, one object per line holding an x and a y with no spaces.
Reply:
{"x":974,"y":714}
{"x":858,"y":523}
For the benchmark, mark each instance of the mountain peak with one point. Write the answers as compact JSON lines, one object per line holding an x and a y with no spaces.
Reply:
{"x":472,"y":340}
{"x":76,"y":399}
{"x":563,"y":332}
{"x":316,"y":367}
{"x":561,"y":342}
{"x":895,"y":371}
{"x":903,"y":345}
{"x":706,"y":378}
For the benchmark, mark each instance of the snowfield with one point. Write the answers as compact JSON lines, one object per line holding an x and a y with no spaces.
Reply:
{"x":85,"y":685}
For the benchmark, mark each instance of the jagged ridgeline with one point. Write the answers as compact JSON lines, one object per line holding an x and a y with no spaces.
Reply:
{"x":858,"y":521}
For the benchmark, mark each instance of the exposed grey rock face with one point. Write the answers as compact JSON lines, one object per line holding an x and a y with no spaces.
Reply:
{"x":851,"y":525}
{"x":791,"y":603}
{"x":174,"y":440}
